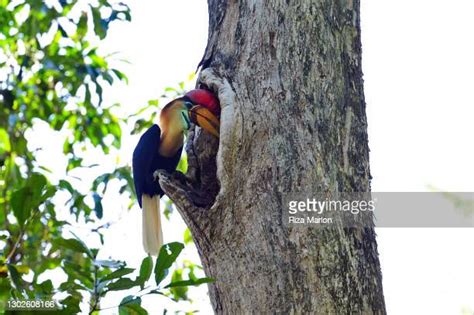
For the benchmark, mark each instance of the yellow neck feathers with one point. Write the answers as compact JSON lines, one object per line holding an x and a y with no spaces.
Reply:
{"x":172,"y":129}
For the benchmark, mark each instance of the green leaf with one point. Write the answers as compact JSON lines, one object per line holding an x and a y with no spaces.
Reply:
{"x":168,"y":254}
{"x":120,"y":75}
{"x":48,"y":193}
{"x":45,"y":287}
{"x":20,"y":204}
{"x":73,"y":163}
{"x":183,"y":164}
{"x":100,"y":27}
{"x":118,"y":273}
{"x":180,"y":292}
{"x":98,"y":91}
{"x":131,"y":299}
{"x":67,"y":146}
{"x":146,"y":269}
{"x":130,"y":305}
{"x":109,"y":263}
{"x":15,"y":277}
{"x":191,"y":76}
{"x":122,"y":284}
{"x":4,"y":141}
{"x":153,"y":103}
{"x":24,"y":200}
{"x":82,"y":25}
{"x":116,"y":131}
{"x":63,"y":184}
{"x":78,"y":270}
{"x":102,"y":179}
{"x":71,"y":304}
{"x":188,"y":238}
{"x":189,"y":282}
{"x":5,"y":288}
{"x":99,"y":211}
{"x":74,"y":245}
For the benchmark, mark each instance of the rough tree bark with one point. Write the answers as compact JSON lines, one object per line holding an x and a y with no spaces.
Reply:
{"x":289,"y":79}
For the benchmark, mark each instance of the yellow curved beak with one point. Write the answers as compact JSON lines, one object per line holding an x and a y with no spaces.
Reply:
{"x":205,"y":119}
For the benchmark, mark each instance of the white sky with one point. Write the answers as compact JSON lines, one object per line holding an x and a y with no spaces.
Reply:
{"x":418,"y":65}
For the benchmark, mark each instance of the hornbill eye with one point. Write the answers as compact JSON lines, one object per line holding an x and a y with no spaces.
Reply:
{"x":188,"y":104}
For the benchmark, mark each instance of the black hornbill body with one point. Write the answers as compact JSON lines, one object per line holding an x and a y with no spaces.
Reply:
{"x":160,"y":147}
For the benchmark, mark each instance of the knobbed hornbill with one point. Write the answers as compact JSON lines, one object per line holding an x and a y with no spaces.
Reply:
{"x":160,"y":148}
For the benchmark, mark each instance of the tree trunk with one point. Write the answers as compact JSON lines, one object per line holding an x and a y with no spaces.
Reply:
{"x":289,"y":79}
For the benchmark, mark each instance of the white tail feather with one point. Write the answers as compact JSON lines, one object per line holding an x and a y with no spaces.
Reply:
{"x":152,"y":234}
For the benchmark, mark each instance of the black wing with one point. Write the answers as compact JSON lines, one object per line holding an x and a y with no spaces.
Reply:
{"x":143,"y":156}
{"x":146,"y":160}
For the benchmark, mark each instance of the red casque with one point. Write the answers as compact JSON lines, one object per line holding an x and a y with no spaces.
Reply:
{"x":205,"y":98}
